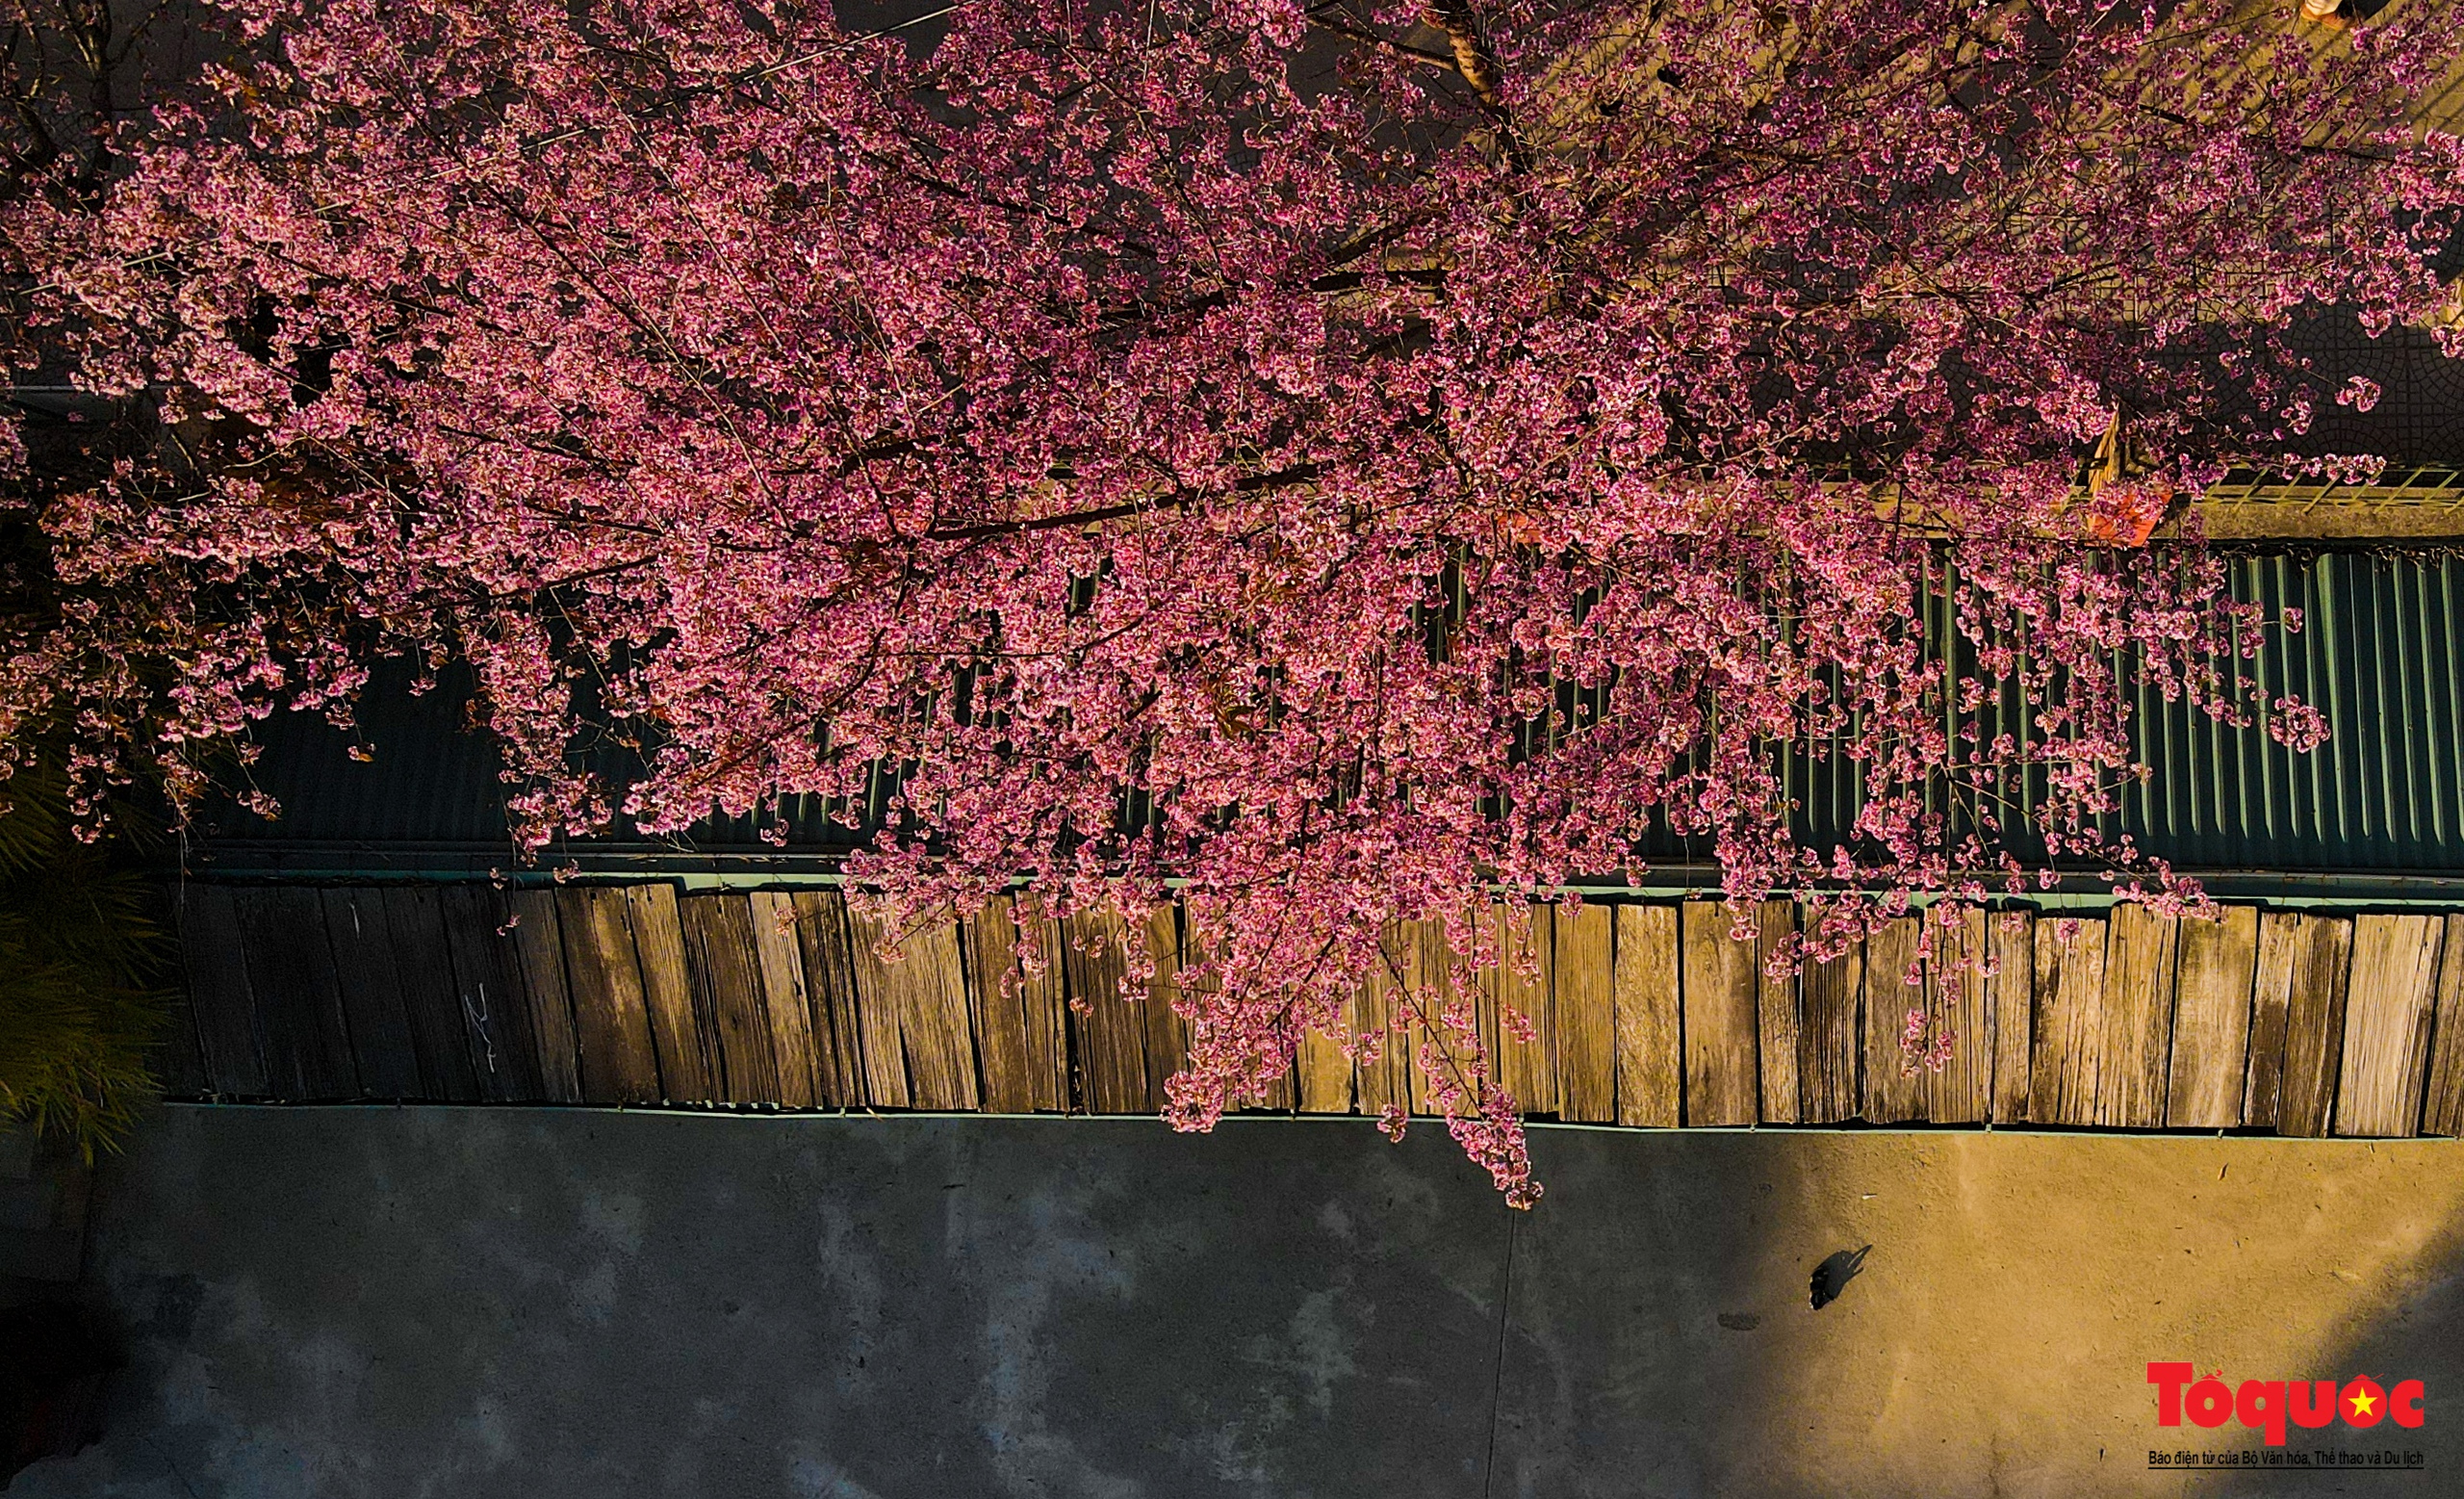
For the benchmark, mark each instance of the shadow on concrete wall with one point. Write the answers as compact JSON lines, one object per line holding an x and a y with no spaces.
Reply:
{"x":1662,"y":1342}
{"x":551,"y":1303}
{"x":2409,"y":1325}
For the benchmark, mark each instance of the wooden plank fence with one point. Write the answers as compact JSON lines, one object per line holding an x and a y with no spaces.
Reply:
{"x":1648,"y":1015}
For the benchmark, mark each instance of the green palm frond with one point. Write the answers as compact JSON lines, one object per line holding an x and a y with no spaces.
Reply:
{"x":78,"y":955}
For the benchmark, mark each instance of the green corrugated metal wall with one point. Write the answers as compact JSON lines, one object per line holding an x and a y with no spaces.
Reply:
{"x":2382,"y":656}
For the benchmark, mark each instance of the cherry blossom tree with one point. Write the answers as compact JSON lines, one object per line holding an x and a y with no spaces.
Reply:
{"x":1330,"y":465}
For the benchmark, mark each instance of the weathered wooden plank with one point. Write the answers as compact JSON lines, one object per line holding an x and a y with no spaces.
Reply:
{"x":1528,"y":1070}
{"x":300,"y":1029}
{"x":886,"y":1084}
{"x":2137,"y":1039}
{"x":933,"y":1019}
{"x":1893,"y":1092}
{"x":2011,"y":998}
{"x":827,"y":941}
{"x":1167,"y":1038}
{"x":540,"y":950}
{"x":1719,"y":1022}
{"x":2443,"y":1107}
{"x":487,"y":985}
{"x":1651,"y":1059}
{"x":2282,"y":946}
{"x":1043,"y":989}
{"x":725,"y":969}
{"x":916,"y":1033}
{"x":1324,"y":1068}
{"x":786,"y":1000}
{"x":2393,"y":993}
{"x":1776,"y":1013}
{"x":1428,"y":963}
{"x":1961,"y":1093}
{"x":1437,"y":961}
{"x":1831,"y":1071}
{"x":1381,"y":1080}
{"x":996,"y":994}
{"x":1831,"y":1062}
{"x":1022,"y":1039}
{"x":431,"y":998}
{"x":2314,"y":1026}
{"x":1584,"y":969}
{"x":2206,"y":1077}
{"x":217,"y":975}
{"x":687,"y":1039}
{"x":1111,"y":1035}
{"x":177,"y":1057}
{"x":2069,"y":1025}
{"x":1326,"y":1072}
{"x":618,"y":1059}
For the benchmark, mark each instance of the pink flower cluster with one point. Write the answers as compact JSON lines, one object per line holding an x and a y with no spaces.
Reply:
{"x":1402,"y":457}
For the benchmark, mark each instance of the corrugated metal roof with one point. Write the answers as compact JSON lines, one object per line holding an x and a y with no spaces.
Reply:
{"x":2382,"y":656}
{"x":430,"y":799}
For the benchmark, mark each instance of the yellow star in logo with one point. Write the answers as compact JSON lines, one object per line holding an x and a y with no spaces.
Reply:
{"x":2363,"y":1400}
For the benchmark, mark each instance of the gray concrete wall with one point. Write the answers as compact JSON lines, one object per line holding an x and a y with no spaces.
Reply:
{"x":477,"y":1303}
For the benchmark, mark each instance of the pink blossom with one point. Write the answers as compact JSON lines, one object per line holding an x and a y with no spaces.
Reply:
{"x":1408,"y":474}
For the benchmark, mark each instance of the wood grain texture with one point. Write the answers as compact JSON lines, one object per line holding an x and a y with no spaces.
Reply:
{"x":2388,"y":1008}
{"x":1583,"y":964}
{"x":933,"y":1020}
{"x":787,"y":999}
{"x":2137,"y":1040}
{"x":827,"y":941}
{"x":431,"y":997}
{"x":2206,"y":1077}
{"x":1043,"y":989}
{"x":619,"y":1062}
{"x":1719,"y":1024}
{"x":916,"y":1039}
{"x":886,"y":1084}
{"x":1021,"y":1035}
{"x":539,"y":947}
{"x":2314,"y":1026}
{"x":990,"y":938}
{"x":1831,"y":1062}
{"x":487,"y":985}
{"x":177,"y":1056}
{"x":2443,"y":1106}
{"x":2282,"y":944}
{"x":301,"y":1032}
{"x":226,"y":1013}
{"x":1961,"y":1093}
{"x":2012,"y":999}
{"x":1167,"y":1043}
{"x":1777,"y":1016}
{"x":688,"y":1052}
{"x":725,"y":969}
{"x":1648,"y":1014}
{"x":1326,"y":1072}
{"x":1894,"y":1090}
{"x":2068,"y":1022}
{"x":1382,"y":1081}
{"x":1111,"y":1035}
{"x":1428,"y":963}
{"x":1650,"y":1060}
{"x":1526,"y":1068}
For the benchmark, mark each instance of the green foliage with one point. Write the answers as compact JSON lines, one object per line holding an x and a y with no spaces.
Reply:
{"x":78,"y":957}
